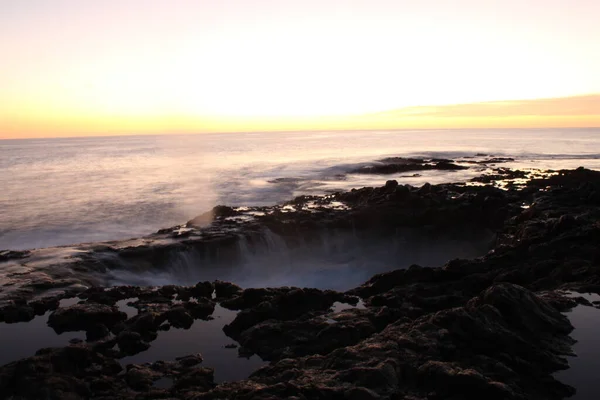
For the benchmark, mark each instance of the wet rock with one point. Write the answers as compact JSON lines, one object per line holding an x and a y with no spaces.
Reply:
{"x":208,"y":217}
{"x":131,"y":343}
{"x":111,"y":296}
{"x":224,"y":290}
{"x":142,"y":323}
{"x":191,"y":360}
{"x":484,"y":328}
{"x":40,"y":307}
{"x":252,"y":297}
{"x":203,"y":289}
{"x":17,"y":313}
{"x":55,"y":374}
{"x":179,"y":317}
{"x":7,"y":255}
{"x":196,"y":379}
{"x":96,"y":332}
{"x":394,"y":165}
{"x":288,"y":305}
{"x":360,"y":393}
{"x":201,"y":309}
{"x":141,"y":377}
{"x":391,"y":184}
{"x":83,"y":317}
{"x":460,"y":352}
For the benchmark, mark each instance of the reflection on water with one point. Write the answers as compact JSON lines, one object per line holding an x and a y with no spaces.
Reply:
{"x":339,"y":307}
{"x":24,"y":339}
{"x":206,"y":338}
{"x":127,"y":309}
{"x":583,"y":370}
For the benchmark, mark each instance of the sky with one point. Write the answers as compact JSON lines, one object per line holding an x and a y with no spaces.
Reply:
{"x":72,"y":67}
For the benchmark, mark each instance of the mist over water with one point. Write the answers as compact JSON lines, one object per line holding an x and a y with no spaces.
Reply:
{"x":66,"y":191}
{"x":334,"y":259}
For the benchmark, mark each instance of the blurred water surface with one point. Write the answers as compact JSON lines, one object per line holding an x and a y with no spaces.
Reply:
{"x":66,"y":191}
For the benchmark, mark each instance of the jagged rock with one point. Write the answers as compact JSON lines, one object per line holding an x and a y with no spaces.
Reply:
{"x":224,"y":290}
{"x":179,"y":317}
{"x":6,"y":255}
{"x":203,"y":289}
{"x":17,"y":313}
{"x":252,"y":297}
{"x":483,"y":328}
{"x":140,"y":377}
{"x":208,"y":217}
{"x":96,"y":332}
{"x":394,"y":165}
{"x":201,"y":309}
{"x":40,"y":307}
{"x":197,"y":379}
{"x":191,"y":360}
{"x":55,"y":374}
{"x":131,"y":343}
{"x":82,"y":317}
{"x":288,"y":305}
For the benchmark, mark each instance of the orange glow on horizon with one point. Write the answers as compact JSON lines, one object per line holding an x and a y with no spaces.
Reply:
{"x":577,"y":111}
{"x":73,"y":68}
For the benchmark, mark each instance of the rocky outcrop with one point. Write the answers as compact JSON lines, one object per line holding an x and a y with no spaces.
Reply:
{"x":395,"y":165}
{"x":489,"y":327}
{"x":83,"y":317}
{"x":480,"y":350}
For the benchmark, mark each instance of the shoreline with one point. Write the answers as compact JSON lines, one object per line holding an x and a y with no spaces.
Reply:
{"x":487,"y":326}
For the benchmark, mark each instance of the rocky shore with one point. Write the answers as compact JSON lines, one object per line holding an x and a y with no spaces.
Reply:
{"x":490,"y":327}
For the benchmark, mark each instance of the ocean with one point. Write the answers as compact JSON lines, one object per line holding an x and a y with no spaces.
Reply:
{"x":66,"y":191}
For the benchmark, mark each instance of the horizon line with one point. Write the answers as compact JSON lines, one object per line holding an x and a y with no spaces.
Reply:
{"x":111,"y":135}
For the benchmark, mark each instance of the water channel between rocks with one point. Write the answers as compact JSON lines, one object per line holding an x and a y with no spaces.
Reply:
{"x":22,"y":340}
{"x":206,"y":338}
{"x":584,"y":367}
{"x":331,"y":262}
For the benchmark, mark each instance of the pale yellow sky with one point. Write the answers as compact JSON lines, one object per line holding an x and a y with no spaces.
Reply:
{"x":156,"y":66}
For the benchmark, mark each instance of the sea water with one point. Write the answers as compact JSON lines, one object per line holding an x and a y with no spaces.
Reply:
{"x":66,"y":191}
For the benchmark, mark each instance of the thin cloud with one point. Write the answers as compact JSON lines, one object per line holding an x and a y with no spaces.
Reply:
{"x":564,"y":106}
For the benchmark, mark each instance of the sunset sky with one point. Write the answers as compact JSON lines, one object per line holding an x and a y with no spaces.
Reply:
{"x":73,"y":67}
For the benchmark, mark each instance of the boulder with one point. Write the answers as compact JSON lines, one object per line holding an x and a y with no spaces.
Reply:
{"x":83,"y":317}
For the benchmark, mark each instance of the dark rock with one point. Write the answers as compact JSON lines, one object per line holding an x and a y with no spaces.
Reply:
{"x":131,"y":343}
{"x":7,"y":255}
{"x":197,"y":379}
{"x":252,"y":297}
{"x":203,"y":289}
{"x":179,"y":317}
{"x":391,"y":184}
{"x":140,"y":377}
{"x":40,"y":307}
{"x":225,"y":290}
{"x":96,"y":332}
{"x":208,"y":217}
{"x":83,"y":317}
{"x":394,"y":165}
{"x":201,"y":309}
{"x":55,"y":374}
{"x":484,"y":328}
{"x":17,"y":313}
{"x":191,"y":360}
